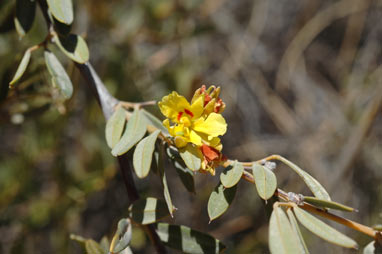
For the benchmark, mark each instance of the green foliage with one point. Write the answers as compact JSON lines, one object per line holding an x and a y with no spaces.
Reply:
{"x":62,"y":10}
{"x":74,"y":47}
{"x":60,"y":78}
{"x":148,"y":210}
{"x":134,"y":132}
{"x":143,"y":154}
{"x":25,"y":14}
{"x":22,"y":67}
{"x":231,"y":175}
{"x":265,"y":180}
{"x":219,"y":201}
{"x":122,"y":236}
{"x":296,"y":229}
{"x":188,"y":240}
{"x":373,"y":248}
{"x":328,"y":204}
{"x":191,"y":156}
{"x":282,"y":237}
{"x":114,"y":127}
{"x":323,"y":230}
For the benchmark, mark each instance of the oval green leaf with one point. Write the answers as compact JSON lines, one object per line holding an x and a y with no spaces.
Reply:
{"x":309,"y":180}
{"x":154,"y":121}
{"x":296,"y":229}
{"x":373,"y":248}
{"x":282,"y":238}
{"x":122,"y":237}
{"x":25,"y":13}
{"x":328,"y":204}
{"x":114,"y":127}
{"x":323,"y":230}
{"x":219,"y":201}
{"x":22,"y":67}
{"x":148,"y":211}
{"x":191,"y":156}
{"x":187,"y":240}
{"x":265,"y":181}
{"x":143,"y":154}
{"x":232,"y":174}
{"x":74,"y":47}
{"x":59,"y":76}
{"x":62,"y":10}
{"x":135,"y":131}
{"x":92,"y":247}
{"x":166,"y":191}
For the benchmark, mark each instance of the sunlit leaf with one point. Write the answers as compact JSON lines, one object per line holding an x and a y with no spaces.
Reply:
{"x":104,"y":243}
{"x":185,"y":175}
{"x":22,"y":67}
{"x":191,"y":156}
{"x":154,"y":121}
{"x":114,"y":127}
{"x":126,"y":251}
{"x":79,"y":239}
{"x":135,"y":130}
{"x":265,"y":181}
{"x":62,"y":10}
{"x":122,"y":237}
{"x":143,"y":154}
{"x":74,"y":46}
{"x":296,"y":229}
{"x":219,"y":201}
{"x":282,"y":238}
{"x":188,"y":240}
{"x":59,"y":76}
{"x":92,"y":247}
{"x":309,"y":180}
{"x":323,"y":230}
{"x":373,"y":248}
{"x":328,"y":204}
{"x":147,"y":211}
{"x":232,"y":174}
{"x":162,"y":173}
{"x":25,"y":13}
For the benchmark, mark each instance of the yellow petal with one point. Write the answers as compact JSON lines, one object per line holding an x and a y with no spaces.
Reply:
{"x":195,"y":138}
{"x":213,"y":126}
{"x":172,"y":104}
{"x":180,"y":142}
{"x":197,"y":107}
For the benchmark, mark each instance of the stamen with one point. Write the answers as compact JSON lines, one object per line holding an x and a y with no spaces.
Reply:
{"x":179,"y":115}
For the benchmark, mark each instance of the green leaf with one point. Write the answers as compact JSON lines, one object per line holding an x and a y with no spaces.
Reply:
{"x":232,"y":174}
{"x":143,"y":154}
{"x":373,"y":248}
{"x":114,"y":127}
{"x":79,"y":239}
{"x":104,"y":243}
{"x":162,"y":174}
{"x":191,"y":156}
{"x":92,"y":247}
{"x":58,"y":73}
{"x":328,"y":204}
{"x":62,"y":10}
{"x":74,"y":46}
{"x":25,"y":13}
{"x":282,"y":238}
{"x":147,"y":211}
{"x":61,"y":28}
{"x":186,"y":175}
{"x":309,"y":180}
{"x":154,"y":121}
{"x":122,"y":237}
{"x":135,"y":130}
{"x":323,"y":230}
{"x":296,"y":229}
{"x":219,"y":201}
{"x":188,"y":240}
{"x":22,"y":67}
{"x":265,"y":180}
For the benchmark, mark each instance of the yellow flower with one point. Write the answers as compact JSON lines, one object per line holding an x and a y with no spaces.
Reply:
{"x":199,"y":123}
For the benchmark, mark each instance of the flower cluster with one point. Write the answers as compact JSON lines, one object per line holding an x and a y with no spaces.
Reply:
{"x":199,"y":123}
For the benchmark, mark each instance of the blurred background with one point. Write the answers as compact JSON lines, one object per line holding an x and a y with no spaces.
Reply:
{"x":300,"y":78}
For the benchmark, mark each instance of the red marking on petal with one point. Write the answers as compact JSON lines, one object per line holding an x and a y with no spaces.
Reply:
{"x":189,"y":112}
{"x":207,"y":99}
{"x":210,"y":153}
{"x":179,"y":115}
